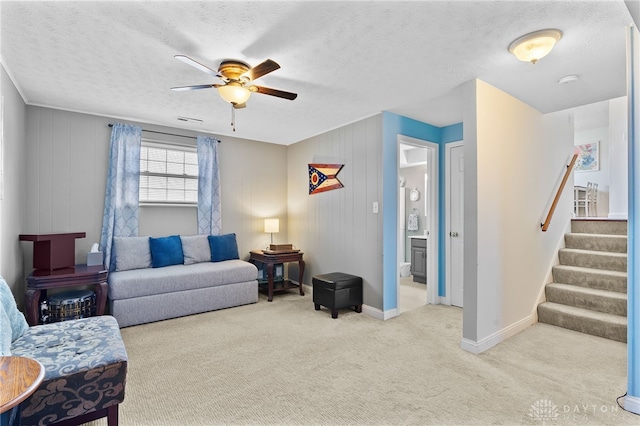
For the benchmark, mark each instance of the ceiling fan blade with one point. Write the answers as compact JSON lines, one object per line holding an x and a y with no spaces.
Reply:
{"x":274,"y":92}
{"x":196,"y":87}
{"x":197,"y":65}
{"x":262,"y":69}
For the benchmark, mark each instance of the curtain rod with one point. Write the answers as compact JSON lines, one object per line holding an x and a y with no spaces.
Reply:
{"x":168,"y":134}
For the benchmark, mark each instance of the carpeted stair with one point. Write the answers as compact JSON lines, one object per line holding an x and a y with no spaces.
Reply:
{"x":589,"y":289}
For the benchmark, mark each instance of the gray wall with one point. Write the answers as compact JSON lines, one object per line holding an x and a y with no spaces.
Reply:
{"x":13,"y":206}
{"x":68,"y":156}
{"x":337,"y":230}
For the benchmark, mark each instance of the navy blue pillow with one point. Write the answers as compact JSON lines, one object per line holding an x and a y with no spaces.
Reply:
{"x":223,"y":247}
{"x":166,"y":251}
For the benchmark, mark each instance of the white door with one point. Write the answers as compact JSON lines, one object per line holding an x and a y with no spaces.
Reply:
{"x":456,"y":221}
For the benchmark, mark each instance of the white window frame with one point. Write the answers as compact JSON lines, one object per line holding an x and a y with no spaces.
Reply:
{"x":148,"y":143}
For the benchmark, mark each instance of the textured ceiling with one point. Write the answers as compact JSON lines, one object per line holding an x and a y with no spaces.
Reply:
{"x":346,"y":60}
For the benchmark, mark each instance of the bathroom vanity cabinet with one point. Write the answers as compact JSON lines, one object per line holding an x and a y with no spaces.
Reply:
{"x":419,"y":259}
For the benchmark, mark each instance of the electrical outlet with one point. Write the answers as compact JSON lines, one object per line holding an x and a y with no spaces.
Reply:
{"x":375,"y":207}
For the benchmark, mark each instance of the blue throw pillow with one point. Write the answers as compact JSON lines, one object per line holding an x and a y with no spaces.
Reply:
{"x":166,"y":251}
{"x":223,"y":247}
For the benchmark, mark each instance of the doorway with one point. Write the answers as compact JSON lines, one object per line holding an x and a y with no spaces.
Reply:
{"x":454,"y":246}
{"x":417,"y":222}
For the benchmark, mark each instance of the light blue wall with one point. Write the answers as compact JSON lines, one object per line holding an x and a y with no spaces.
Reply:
{"x":392,"y":126}
{"x":632,"y":401}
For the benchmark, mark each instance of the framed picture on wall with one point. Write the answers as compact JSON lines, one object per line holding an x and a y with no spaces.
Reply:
{"x":588,"y":157}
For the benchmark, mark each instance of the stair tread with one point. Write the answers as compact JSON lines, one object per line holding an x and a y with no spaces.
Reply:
{"x":599,"y":226}
{"x":596,"y":252}
{"x":610,"y":272}
{"x":600,"y":235}
{"x":585,"y":313}
{"x":589,"y":291}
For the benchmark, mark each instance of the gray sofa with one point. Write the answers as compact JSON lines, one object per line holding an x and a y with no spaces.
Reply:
{"x":201,"y":282}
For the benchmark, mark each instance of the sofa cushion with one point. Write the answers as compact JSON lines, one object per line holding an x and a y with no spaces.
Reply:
{"x":85,"y":364}
{"x":146,"y":282}
{"x":132,"y":253}
{"x":12,"y":322}
{"x":166,"y":251}
{"x":195,"y":249}
{"x":223,"y":247}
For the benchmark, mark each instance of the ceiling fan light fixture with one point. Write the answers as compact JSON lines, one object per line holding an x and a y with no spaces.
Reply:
{"x":534,"y":46}
{"x":234,"y":93}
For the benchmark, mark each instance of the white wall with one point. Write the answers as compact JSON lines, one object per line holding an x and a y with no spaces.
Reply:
{"x":337,"y":230}
{"x":414,"y":176}
{"x":618,"y":159}
{"x":601,"y":176}
{"x":515,"y":158}
{"x":16,"y":168}
{"x":68,"y":160}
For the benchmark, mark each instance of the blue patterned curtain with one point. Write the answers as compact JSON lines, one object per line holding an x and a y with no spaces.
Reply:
{"x":209,"y":210}
{"x":123,"y":179}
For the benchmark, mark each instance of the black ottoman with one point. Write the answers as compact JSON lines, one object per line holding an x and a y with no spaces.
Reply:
{"x":337,"y":290}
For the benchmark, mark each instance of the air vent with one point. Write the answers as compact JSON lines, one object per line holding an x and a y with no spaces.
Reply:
{"x":189,"y":120}
{"x":568,"y":79}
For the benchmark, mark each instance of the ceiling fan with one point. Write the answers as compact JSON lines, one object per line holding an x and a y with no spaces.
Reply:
{"x":237,"y":78}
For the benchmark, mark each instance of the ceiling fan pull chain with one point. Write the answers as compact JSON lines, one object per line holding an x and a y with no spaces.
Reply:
{"x":233,"y":118}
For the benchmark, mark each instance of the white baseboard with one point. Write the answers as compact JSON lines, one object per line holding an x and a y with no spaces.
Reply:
{"x":632,"y":403}
{"x":379,"y":314}
{"x":622,"y":216}
{"x":308,"y":289}
{"x":497,"y":337}
{"x":366,"y":309}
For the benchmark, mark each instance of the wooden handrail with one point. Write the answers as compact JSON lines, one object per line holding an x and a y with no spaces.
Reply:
{"x":545,"y":225}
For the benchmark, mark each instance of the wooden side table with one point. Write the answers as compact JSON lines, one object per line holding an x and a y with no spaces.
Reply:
{"x":20,"y":377}
{"x":272,"y":259}
{"x":78,"y":275}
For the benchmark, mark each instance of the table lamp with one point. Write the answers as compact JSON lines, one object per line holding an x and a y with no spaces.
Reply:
{"x":271,"y":226}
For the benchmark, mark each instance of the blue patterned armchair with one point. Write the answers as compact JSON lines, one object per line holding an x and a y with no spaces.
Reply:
{"x":85,"y":365}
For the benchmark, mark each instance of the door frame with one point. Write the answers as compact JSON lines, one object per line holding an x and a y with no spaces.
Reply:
{"x":433,"y":156}
{"x":446,"y":300}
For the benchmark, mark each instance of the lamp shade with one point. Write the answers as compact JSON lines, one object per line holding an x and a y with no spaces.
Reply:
{"x":271,"y":225}
{"x":534,"y":46}
{"x":234,"y":93}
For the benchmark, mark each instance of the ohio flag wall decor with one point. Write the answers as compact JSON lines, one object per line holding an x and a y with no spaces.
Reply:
{"x":322,"y":177}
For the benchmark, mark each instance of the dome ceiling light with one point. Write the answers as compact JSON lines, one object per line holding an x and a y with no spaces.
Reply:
{"x":534,"y":46}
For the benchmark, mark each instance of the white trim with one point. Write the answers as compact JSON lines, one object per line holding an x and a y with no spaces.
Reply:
{"x":138,"y":121}
{"x":497,"y":337}
{"x":433,"y":155}
{"x":160,"y":144}
{"x":167,"y":204}
{"x":379,"y":314}
{"x":366,"y":309}
{"x":632,"y":404}
{"x":619,"y":216}
{"x":542,"y":296}
{"x":447,"y":215}
{"x":13,"y":80}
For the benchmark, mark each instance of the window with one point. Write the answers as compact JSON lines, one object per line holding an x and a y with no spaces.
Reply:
{"x":168,"y":174}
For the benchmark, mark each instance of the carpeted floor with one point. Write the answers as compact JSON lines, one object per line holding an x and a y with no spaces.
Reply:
{"x":283,"y":363}
{"x":411,"y":295}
